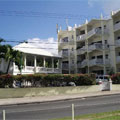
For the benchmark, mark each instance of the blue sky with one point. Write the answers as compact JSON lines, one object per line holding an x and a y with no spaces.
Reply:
{"x":18,"y":20}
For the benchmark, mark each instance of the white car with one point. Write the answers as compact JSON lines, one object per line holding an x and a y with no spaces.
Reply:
{"x":102,"y":78}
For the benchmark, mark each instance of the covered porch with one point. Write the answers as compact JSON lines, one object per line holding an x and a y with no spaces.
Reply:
{"x":39,"y":64}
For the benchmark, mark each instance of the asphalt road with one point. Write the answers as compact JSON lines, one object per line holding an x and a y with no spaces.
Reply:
{"x":59,"y":109}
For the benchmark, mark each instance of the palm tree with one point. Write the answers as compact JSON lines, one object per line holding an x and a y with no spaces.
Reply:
{"x":15,"y":56}
{"x":11,"y":55}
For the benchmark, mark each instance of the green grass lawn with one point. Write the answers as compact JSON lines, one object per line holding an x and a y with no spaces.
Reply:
{"x":115,"y":115}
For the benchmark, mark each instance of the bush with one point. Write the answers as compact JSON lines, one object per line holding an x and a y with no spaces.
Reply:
{"x":46,"y":80}
{"x":115,"y":78}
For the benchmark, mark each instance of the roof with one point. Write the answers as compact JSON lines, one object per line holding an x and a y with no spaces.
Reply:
{"x":30,"y":49}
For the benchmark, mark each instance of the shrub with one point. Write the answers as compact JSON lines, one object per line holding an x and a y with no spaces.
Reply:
{"x":46,"y":80}
{"x":115,"y":78}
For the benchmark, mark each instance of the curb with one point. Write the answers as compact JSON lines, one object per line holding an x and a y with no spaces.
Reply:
{"x":57,"y":100}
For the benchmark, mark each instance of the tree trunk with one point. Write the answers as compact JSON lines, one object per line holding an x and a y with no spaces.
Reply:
{"x":8,"y":66}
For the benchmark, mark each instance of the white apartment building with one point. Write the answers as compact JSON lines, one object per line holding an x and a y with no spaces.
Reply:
{"x":96,"y":46}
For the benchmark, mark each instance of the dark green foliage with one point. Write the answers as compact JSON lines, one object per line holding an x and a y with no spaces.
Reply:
{"x":115,"y":78}
{"x":47,"y":80}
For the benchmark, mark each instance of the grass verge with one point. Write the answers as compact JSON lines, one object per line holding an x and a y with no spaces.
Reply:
{"x":115,"y":115}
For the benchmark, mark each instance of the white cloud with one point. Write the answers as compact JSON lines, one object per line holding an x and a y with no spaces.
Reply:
{"x":49,"y":44}
{"x":110,"y":5}
{"x":106,"y":5}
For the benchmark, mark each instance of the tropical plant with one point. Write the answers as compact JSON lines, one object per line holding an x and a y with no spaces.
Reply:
{"x":11,"y":55}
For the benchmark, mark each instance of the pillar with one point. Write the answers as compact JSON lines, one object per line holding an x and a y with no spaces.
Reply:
{"x":35,"y":64}
{"x":44,"y":62}
{"x":25,"y":62}
{"x":53,"y":64}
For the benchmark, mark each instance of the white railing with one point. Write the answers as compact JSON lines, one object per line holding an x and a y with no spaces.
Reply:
{"x":118,"y":59}
{"x":82,"y":64}
{"x":81,"y":50}
{"x":32,"y":69}
{"x":117,"y":26}
{"x":81,"y":37}
{"x":65,"y":66}
{"x":94,"y":31}
{"x":98,"y":62}
{"x":95,"y":46}
{"x":117,"y":43}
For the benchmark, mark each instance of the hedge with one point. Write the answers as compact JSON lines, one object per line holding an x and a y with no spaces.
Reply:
{"x":46,"y":80}
{"x":115,"y":78}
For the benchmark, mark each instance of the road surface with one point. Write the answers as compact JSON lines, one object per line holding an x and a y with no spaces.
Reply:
{"x":50,"y":110}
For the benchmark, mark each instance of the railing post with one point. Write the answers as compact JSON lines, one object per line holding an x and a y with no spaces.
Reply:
{"x":3,"y":114}
{"x":73,"y":114}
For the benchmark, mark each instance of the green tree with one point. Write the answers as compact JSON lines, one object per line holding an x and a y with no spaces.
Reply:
{"x":11,"y":55}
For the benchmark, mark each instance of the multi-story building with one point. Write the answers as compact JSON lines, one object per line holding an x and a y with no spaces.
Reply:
{"x":66,"y":48}
{"x":96,"y":45}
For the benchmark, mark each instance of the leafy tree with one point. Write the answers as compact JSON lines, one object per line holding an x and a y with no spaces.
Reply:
{"x":11,"y":55}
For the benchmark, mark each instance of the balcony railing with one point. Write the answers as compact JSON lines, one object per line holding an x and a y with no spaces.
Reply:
{"x":118,"y":59}
{"x":82,"y":64}
{"x":65,"y":66}
{"x":117,"y":43}
{"x":63,"y":53}
{"x":117,"y":26}
{"x":95,"y":31}
{"x":96,"y":46}
{"x":81,"y":50}
{"x":31,"y":69}
{"x":98,"y":62}
{"x":81,"y":37}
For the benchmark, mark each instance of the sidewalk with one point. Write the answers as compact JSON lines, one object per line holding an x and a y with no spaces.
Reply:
{"x":26,"y":100}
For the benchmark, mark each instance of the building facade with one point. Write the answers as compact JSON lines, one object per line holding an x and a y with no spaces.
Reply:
{"x":96,"y":45}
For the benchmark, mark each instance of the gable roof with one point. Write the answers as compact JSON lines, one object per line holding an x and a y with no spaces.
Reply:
{"x":30,"y":49}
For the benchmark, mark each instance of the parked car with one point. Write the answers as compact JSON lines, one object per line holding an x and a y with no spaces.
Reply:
{"x":102,"y":78}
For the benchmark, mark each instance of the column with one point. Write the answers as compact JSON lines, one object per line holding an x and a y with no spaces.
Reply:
{"x":13,"y":68}
{"x":87,"y":47}
{"x":103,"y":44}
{"x":53,"y":64}
{"x":44,"y":62}
{"x":35,"y":64}
{"x":25,"y":62}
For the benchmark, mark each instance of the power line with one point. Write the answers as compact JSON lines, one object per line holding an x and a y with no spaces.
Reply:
{"x":43,"y":14}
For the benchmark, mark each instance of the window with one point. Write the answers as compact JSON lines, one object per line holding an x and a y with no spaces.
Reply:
{"x":72,"y":37}
{"x":106,"y":56}
{"x":118,"y":37}
{"x":72,"y":49}
{"x":105,"y":41}
{"x":82,"y":32}
{"x":100,"y":57}
{"x":119,"y":54}
{"x":65,"y":39}
{"x":104,"y":26}
{"x":93,"y":57}
{"x":117,"y":22}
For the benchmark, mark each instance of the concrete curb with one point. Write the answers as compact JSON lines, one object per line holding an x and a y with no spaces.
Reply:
{"x":44,"y":99}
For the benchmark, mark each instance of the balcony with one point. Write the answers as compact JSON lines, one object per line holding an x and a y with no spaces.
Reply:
{"x":31,"y":70}
{"x":117,"y":43}
{"x":96,"y":46}
{"x":81,"y":50}
{"x":81,"y":37}
{"x":118,"y":59}
{"x":65,"y":66}
{"x":117,"y":27}
{"x":64,"y":54}
{"x":98,"y":62}
{"x":82,"y":64}
{"x":95,"y":31}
